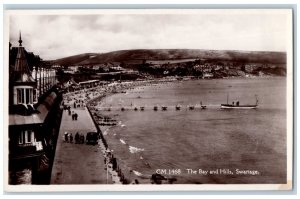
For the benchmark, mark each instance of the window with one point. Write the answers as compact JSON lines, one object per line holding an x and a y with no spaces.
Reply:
{"x":22,"y":95}
{"x":30,"y":96}
{"x":21,"y":137}
{"x":34,"y":95}
{"x":25,"y":96}
{"x":19,"y":96}
{"x":26,"y":137}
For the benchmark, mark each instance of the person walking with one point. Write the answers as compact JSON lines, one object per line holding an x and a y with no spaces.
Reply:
{"x":81,"y":139}
{"x":66,"y":137}
{"x":71,"y":138}
{"x":77,"y":138}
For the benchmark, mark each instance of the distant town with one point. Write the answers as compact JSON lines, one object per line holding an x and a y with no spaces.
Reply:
{"x":149,"y":64}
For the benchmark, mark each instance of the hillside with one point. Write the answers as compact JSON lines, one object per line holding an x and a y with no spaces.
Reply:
{"x":72,"y":60}
{"x":137,"y":56}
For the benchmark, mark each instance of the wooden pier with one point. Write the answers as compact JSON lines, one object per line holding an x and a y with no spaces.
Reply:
{"x":156,"y":107}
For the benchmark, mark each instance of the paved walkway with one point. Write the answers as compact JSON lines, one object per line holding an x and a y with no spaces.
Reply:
{"x":78,"y":163}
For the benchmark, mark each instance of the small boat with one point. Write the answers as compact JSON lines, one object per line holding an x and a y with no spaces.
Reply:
{"x":237,"y":105}
{"x":122,"y":109}
{"x":202,"y":106}
{"x":233,"y":106}
{"x":177,"y":107}
{"x":191,"y":107}
{"x":135,"y":108}
{"x":155,"y":108}
{"x":142,"y":108}
{"x":164,"y":108}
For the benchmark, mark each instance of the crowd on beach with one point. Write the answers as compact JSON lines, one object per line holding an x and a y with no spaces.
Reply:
{"x":86,"y":96}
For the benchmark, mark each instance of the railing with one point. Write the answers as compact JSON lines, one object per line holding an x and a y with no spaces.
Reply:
{"x":25,"y":144}
{"x":97,"y":127}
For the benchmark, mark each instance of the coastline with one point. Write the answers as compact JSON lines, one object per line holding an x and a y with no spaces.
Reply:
{"x":90,"y":98}
{"x":121,"y":175}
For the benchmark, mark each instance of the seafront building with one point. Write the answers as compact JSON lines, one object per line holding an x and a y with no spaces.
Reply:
{"x":34,"y":120}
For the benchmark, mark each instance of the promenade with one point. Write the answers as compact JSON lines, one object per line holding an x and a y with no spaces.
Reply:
{"x":78,"y":163}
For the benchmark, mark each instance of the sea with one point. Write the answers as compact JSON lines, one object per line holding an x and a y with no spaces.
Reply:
{"x":201,"y":146}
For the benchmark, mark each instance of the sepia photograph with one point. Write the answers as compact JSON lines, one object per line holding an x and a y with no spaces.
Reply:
{"x":148,"y":99}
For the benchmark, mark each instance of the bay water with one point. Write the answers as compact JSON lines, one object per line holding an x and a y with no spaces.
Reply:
{"x":184,"y":144}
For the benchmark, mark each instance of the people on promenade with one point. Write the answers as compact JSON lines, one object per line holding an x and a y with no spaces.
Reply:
{"x":77,"y":138}
{"x":135,"y":181}
{"x":81,"y":99}
{"x":81,"y":139}
{"x":71,"y":138}
{"x":75,"y":116}
{"x":66,"y":137}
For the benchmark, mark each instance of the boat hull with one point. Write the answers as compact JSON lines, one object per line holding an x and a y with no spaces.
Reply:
{"x":228,"y":106}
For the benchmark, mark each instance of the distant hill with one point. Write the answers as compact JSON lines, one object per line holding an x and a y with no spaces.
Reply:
{"x":72,"y":60}
{"x":137,"y":56}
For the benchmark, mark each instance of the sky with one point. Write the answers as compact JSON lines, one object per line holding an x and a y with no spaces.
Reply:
{"x":59,"y":35}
